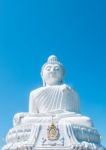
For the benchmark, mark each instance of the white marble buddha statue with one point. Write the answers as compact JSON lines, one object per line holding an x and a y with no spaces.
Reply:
{"x":54,"y":120}
{"x":54,"y":95}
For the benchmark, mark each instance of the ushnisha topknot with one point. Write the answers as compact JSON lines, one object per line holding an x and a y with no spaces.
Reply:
{"x":52,"y":59}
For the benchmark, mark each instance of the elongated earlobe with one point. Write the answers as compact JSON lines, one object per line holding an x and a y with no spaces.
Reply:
{"x":44,"y":84}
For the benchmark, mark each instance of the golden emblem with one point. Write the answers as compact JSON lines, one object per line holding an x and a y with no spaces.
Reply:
{"x":52,"y":132}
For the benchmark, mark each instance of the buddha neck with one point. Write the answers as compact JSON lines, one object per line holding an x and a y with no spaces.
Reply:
{"x":56,"y":84}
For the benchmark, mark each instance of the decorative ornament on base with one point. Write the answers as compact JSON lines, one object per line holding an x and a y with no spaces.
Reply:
{"x":52,"y":132}
{"x":69,"y":130}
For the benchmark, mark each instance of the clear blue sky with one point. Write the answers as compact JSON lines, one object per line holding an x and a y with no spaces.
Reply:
{"x":30,"y":31}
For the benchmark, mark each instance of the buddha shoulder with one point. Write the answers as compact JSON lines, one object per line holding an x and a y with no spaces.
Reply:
{"x":63,"y":88}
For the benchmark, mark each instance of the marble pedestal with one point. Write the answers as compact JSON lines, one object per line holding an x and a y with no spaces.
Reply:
{"x":53,"y":132}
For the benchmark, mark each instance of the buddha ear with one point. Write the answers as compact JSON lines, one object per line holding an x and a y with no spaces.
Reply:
{"x":44,"y":84}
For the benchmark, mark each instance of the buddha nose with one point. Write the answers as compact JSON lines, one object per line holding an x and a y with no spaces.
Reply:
{"x":52,"y":69}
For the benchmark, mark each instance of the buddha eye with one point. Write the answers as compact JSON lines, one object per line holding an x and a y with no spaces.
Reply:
{"x":48,"y":68}
{"x":56,"y":68}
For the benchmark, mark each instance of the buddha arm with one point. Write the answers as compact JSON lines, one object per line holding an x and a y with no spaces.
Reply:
{"x":32,"y":104}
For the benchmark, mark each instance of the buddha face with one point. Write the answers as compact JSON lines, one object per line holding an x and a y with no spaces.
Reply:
{"x":52,"y":74}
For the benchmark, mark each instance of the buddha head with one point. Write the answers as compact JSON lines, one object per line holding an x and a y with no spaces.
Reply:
{"x":52,"y":72}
